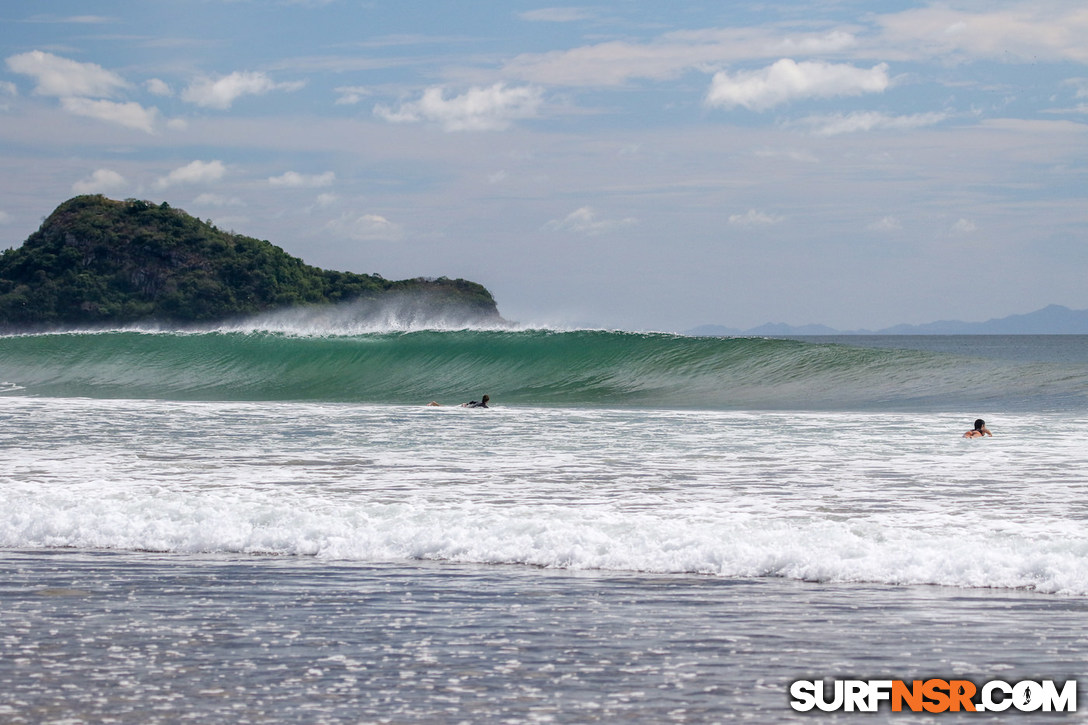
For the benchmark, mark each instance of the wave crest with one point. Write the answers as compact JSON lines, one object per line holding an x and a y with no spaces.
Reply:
{"x":309,"y":355}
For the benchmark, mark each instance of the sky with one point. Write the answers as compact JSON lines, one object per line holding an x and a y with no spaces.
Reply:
{"x":631,"y":165}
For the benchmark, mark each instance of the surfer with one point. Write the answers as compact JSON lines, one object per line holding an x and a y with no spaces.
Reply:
{"x":474,"y":404}
{"x":979,"y":430}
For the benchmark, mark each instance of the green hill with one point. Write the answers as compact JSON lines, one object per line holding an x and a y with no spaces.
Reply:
{"x":98,"y":262}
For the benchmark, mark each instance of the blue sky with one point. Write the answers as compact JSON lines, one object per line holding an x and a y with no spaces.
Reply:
{"x":636,"y":165}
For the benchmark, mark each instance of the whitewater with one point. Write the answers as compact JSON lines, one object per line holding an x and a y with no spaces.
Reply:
{"x":254,"y":524}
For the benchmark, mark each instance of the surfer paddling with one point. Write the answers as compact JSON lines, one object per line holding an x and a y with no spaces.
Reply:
{"x":481,"y":403}
{"x":980,"y":430}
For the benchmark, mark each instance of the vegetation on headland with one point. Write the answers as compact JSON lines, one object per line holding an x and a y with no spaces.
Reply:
{"x":97,"y":262}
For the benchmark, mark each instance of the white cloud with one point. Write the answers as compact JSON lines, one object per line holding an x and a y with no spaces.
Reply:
{"x":555,"y":15}
{"x":129,"y":115}
{"x":754,"y":218}
{"x":964,"y":226}
{"x":608,"y":64}
{"x":218,"y":200}
{"x":1023,"y":31}
{"x":293,"y":179}
{"x":87,"y":19}
{"x":478,"y":109}
{"x":585,"y":221}
{"x":787,"y":80}
{"x":159,"y":87}
{"x":886,"y":224}
{"x":834,"y":42}
{"x":350,"y":95}
{"x":799,"y":155}
{"x":61,"y":77}
{"x":221,"y":93}
{"x":77,"y":19}
{"x":196,"y":172}
{"x":101,"y":181}
{"x":8,"y":88}
{"x":323,"y":201}
{"x":833,"y":125}
{"x":82,"y":89}
{"x":1080,"y":90}
{"x":615,"y":62}
{"x":5,"y":218}
{"x":366,"y":228}
{"x":1070,"y":129}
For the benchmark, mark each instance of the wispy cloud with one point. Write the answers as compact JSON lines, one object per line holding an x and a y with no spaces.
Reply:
{"x":616,"y":62}
{"x":755,"y":218}
{"x":366,"y":228}
{"x":586,"y":221}
{"x":1080,"y":91}
{"x":478,"y":109}
{"x":221,"y":93}
{"x":1014,"y":30}
{"x":1052,"y":31}
{"x":605,"y":64}
{"x":350,"y":95}
{"x":73,"y":19}
{"x":556,"y":15}
{"x":217,"y":200}
{"x":787,"y":80}
{"x":295,"y":180}
{"x":159,"y":87}
{"x":799,"y":155}
{"x":835,"y":124}
{"x":964,"y":226}
{"x":886,"y":224}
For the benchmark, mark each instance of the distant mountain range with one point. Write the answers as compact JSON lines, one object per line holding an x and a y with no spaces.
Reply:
{"x":1051,"y":320}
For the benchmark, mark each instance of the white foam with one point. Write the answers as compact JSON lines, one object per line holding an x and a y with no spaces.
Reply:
{"x":597,"y":537}
{"x":820,"y":497}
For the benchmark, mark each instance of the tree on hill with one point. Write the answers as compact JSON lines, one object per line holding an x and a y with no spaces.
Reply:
{"x":96,"y":261}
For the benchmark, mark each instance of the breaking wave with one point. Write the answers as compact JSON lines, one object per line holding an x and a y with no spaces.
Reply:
{"x":297,"y":359}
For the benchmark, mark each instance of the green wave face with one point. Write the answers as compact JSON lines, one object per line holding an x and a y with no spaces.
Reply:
{"x":535,"y":367}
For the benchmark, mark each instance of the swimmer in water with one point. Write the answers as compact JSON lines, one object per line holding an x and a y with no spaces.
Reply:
{"x":474,"y":404}
{"x":980,"y":430}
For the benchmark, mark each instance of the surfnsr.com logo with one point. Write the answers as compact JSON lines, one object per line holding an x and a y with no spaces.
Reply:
{"x":933,"y":695}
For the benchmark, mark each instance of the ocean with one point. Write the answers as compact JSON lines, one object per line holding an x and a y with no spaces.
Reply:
{"x":268,"y":524}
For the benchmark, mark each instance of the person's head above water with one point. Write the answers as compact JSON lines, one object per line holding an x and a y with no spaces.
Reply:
{"x":485,"y":398}
{"x":980,"y":424}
